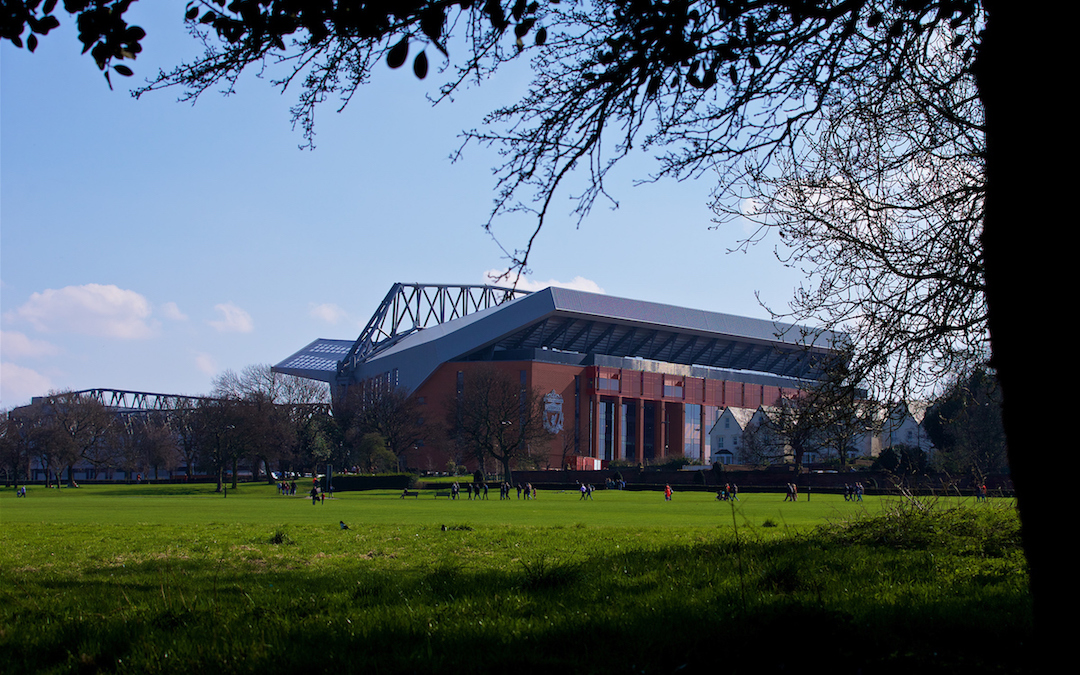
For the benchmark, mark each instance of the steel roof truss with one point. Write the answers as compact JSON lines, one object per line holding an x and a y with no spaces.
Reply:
{"x":577,"y":336}
{"x":686,"y":345}
{"x":592,"y":346}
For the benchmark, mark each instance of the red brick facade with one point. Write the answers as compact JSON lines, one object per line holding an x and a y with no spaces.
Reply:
{"x":661,"y":397}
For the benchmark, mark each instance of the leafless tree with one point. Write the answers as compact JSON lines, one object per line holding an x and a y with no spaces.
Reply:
{"x":882,"y":207}
{"x":496,"y":416}
{"x":396,"y":415}
{"x":219,"y":427}
{"x":143,"y":442}
{"x":276,"y":412}
{"x":23,"y":432}
{"x":85,"y":424}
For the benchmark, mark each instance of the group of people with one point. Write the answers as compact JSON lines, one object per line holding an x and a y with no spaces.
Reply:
{"x":586,"y":490}
{"x":286,"y":488}
{"x":792,"y":493}
{"x":730,"y":492}
{"x":853,"y":493}
{"x":480,"y":490}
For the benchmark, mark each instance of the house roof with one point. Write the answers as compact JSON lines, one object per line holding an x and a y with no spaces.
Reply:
{"x":742,"y":416}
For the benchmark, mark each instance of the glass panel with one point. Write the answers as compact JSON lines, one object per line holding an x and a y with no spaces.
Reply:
{"x":649,"y":442}
{"x":692,"y":431}
{"x":605,"y":423}
{"x":629,"y":430}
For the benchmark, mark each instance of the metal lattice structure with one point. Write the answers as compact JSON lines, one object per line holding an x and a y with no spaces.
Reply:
{"x":124,"y":401}
{"x":408,"y":308}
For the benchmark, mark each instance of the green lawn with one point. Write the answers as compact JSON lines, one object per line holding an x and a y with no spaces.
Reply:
{"x":258,"y":503}
{"x":180,"y":579}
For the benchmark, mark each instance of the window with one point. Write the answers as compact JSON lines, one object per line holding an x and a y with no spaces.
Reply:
{"x":605,"y":422}
{"x":692,"y":431}
{"x":673,"y":389}
{"x":607,"y":384}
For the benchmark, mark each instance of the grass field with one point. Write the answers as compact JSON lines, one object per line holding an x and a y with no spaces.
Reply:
{"x":180,"y":579}
{"x":257,"y":503}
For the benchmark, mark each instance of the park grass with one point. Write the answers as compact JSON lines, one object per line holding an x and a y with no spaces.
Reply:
{"x":179,"y":579}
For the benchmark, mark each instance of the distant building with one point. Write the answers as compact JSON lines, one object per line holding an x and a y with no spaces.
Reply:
{"x":626,"y":380}
{"x":726,"y":435}
{"x":902,"y":425}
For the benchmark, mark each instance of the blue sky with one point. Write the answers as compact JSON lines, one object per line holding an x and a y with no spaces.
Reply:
{"x":149,"y":245}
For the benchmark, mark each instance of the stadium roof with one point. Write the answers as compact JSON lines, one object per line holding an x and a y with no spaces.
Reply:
{"x":563,"y":325}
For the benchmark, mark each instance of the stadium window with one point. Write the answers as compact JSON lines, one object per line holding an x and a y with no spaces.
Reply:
{"x":608,"y":384}
{"x":673,"y":389}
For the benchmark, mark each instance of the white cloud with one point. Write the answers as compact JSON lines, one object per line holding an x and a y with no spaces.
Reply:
{"x":206,"y":363}
{"x":578,"y":283}
{"x":233,"y":319}
{"x":90,"y":309}
{"x":328,"y":312}
{"x":170,"y":310}
{"x":18,"y":385}
{"x":16,"y":345}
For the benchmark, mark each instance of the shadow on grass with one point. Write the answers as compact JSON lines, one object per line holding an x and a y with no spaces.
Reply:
{"x":948,"y":595}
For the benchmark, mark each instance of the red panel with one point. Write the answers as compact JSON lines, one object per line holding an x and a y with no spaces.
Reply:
{"x":695,"y":390}
{"x":772,"y":395}
{"x":752,"y":396}
{"x":714,"y":392}
{"x":652,"y":385}
{"x":733,"y":394}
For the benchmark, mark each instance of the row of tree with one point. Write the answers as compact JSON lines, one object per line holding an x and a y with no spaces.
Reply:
{"x":963,"y":425}
{"x":254,"y":419}
{"x":265,"y":422}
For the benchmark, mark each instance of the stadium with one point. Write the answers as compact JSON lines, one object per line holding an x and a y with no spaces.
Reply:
{"x":622,"y":379}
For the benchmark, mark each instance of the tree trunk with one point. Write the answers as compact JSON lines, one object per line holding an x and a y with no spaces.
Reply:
{"x":1019,"y":83}
{"x":507,"y":476}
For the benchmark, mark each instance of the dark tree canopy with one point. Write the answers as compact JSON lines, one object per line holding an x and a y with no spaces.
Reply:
{"x":966,"y":428}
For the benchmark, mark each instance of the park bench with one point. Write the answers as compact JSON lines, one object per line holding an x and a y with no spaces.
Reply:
{"x":444,"y":493}
{"x":409,"y":493}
